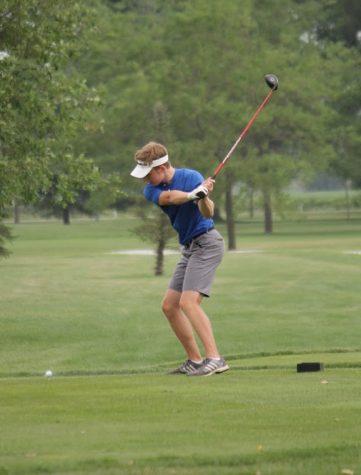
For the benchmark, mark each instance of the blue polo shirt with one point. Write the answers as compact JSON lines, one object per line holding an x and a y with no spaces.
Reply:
{"x":186,"y":219}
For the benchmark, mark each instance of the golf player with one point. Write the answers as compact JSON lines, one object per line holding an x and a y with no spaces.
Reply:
{"x":183,"y":195}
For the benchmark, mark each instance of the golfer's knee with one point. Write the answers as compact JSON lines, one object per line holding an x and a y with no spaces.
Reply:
{"x":168,"y":307}
{"x":186,"y":302}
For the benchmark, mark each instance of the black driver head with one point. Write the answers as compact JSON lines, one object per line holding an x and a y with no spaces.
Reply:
{"x":271,"y":81}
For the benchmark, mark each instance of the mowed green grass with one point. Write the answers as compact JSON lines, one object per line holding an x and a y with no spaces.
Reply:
{"x":243,"y":422}
{"x":94,"y":318}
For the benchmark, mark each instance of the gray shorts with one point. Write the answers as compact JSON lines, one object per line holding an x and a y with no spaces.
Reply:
{"x":195,"y":271}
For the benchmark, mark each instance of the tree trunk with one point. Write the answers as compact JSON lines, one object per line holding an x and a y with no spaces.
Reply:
{"x":160,"y":258}
{"x":229,"y":214}
{"x":251,"y":203}
{"x":268,"y":223}
{"x":66,"y":215}
{"x":16,"y":213}
{"x":217,"y":215}
{"x":348,"y":205}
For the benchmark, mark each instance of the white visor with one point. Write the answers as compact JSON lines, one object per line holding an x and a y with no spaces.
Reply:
{"x":143,"y":168}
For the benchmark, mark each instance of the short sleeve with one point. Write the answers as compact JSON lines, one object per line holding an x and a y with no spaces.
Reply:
{"x":152,"y":194}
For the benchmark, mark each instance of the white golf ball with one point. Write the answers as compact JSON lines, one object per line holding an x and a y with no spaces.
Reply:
{"x":48,"y":373}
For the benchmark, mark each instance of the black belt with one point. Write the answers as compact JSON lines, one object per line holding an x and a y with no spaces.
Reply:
{"x":197,"y":236}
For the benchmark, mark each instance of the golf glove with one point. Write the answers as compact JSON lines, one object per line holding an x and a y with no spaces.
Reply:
{"x":198,"y":193}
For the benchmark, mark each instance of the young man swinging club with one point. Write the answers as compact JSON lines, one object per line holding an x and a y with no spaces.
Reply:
{"x":183,"y":195}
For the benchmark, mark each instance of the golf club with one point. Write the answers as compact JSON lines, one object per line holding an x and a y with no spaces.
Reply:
{"x":272,"y":82}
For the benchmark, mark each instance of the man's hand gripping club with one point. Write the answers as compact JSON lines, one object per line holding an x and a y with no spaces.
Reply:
{"x":198,"y":193}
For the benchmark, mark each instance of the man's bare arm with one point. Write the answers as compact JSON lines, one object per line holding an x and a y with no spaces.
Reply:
{"x":206,"y":207}
{"x":173,"y":197}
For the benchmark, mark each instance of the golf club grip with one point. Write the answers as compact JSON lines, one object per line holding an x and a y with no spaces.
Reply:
{"x":243,"y":133}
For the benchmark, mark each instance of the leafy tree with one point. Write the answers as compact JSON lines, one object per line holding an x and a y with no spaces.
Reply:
{"x":155,"y":228}
{"x":155,"y":225}
{"x":339,"y":24}
{"x":205,"y":61}
{"x":106,"y":195}
{"x":71,"y":179}
{"x":345,"y":123}
{"x":5,"y":235}
{"x":334,"y":27}
{"x":42,"y":98}
{"x":122,"y":67}
{"x":218,"y":55}
{"x":340,"y":21}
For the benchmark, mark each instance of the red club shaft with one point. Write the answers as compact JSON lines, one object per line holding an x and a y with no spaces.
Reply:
{"x":243,"y":133}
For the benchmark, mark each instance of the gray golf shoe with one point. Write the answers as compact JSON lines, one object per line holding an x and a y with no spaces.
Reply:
{"x":210,"y":366}
{"x":188,"y":367}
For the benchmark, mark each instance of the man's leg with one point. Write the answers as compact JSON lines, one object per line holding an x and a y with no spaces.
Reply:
{"x":180,"y":324}
{"x":190,"y":303}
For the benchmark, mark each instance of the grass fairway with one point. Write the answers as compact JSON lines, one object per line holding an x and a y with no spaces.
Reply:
{"x":93,"y":317}
{"x":254,"y":421}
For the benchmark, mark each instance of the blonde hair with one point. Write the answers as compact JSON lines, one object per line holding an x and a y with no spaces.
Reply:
{"x":151,"y":151}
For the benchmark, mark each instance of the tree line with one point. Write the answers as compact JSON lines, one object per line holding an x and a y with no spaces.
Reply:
{"x":86,"y":83}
